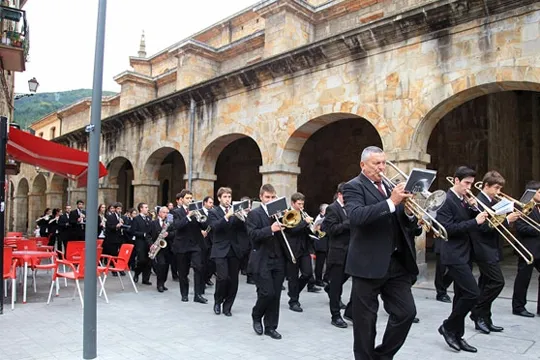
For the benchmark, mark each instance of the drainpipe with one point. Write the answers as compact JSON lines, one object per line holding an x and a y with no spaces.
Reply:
{"x":191,"y":142}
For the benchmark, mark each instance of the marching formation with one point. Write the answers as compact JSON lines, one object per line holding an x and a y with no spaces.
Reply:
{"x":367,"y":233}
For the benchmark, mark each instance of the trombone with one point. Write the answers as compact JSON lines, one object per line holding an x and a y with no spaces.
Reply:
{"x":319,"y":233}
{"x":433,"y":202}
{"x":525,"y":210}
{"x":495,"y":221}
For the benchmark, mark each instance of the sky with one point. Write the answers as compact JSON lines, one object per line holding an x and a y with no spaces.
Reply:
{"x":63,"y":35}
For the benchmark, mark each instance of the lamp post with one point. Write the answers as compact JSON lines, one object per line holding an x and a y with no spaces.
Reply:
{"x":32,"y":87}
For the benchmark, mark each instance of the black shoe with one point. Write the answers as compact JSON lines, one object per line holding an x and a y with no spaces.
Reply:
{"x":449,"y":338}
{"x":444,"y":298}
{"x":494,"y":328}
{"x":339,"y":322}
{"x":165,"y":288}
{"x":227,"y":313}
{"x":480,"y":325}
{"x":185,"y":299}
{"x":523,"y":313}
{"x":146,"y":282}
{"x":122,"y":273}
{"x":295,"y":307}
{"x":314,"y":289}
{"x":200,"y":299}
{"x":346,"y":317}
{"x":463,"y":345}
{"x":250,"y":281}
{"x":209,"y":283}
{"x":416,"y":320}
{"x":257,"y":326}
{"x":320,"y":283}
{"x":115,"y":274}
{"x":217,"y":309}
{"x":136,"y":278}
{"x":273,"y":334}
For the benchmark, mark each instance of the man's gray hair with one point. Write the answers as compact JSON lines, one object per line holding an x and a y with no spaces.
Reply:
{"x":323,"y":207}
{"x":366,"y":153}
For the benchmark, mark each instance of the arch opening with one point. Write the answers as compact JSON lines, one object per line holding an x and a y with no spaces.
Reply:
{"x":121,"y":174}
{"x":165,"y":165}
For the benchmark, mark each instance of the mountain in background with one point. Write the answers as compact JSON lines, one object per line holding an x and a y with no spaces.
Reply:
{"x":32,"y":108}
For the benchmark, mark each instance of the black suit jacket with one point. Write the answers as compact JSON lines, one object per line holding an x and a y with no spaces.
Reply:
{"x":74,"y":219}
{"x":337,"y":227}
{"x":188,"y":235}
{"x":112,"y":233}
{"x":224,"y":233}
{"x":459,"y":222}
{"x":258,"y":225}
{"x":485,"y":241}
{"x":299,"y":239}
{"x":63,"y":224}
{"x":142,"y":229}
{"x":373,"y":230}
{"x":528,"y":236}
{"x":156,"y":230}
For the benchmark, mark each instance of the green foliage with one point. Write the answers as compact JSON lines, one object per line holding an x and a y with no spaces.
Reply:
{"x":30,"y":109}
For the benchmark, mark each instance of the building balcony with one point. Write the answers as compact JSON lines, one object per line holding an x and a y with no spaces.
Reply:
{"x":14,"y":44}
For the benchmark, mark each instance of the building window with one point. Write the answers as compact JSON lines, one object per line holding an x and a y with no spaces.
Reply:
{"x":40,"y":134}
{"x":53,"y":132}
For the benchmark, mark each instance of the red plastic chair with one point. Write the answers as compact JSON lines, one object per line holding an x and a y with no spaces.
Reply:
{"x":119,"y":263}
{"x":14,"y":234}
{"x":24,"y":244}
{"x":10,"y":273}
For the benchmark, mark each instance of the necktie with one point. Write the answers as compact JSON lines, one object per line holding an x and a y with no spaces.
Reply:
{"x":226,"y":209}
{"x":343,"y":208}
{"x":187,"y":212}
{"x":379,"y":187}
{"x":463,"y":203}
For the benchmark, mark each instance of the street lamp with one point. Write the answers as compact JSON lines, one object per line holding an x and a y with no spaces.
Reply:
{"x":32,"y":87}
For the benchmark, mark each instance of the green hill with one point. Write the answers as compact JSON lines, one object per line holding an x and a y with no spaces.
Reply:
{"x":32,"y":108}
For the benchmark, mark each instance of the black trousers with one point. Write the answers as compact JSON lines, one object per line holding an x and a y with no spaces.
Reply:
{"x":227,"y":271}
{"x":320,"y":259}
{"x":490,"y":283}
{"x":466,"y":293}
{"x":144,"y":265}
{"x":442,"y":279}
{"x":174,"y":265}
{"x":269,"y":293}
{"x":184,"y":262}
{"x":111,"y":248}
{"x":521,"y":284}
{"x":298,"y":283}
{"x":337,"y":278}
{"x":161,"y":266}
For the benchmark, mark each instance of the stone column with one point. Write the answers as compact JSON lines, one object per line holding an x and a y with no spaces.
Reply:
{"x":107,"y":194}
{"x":145,"y":191}
{"x":54,"y":199}
{"x":20,"y":212}
{"x":406,"y":160}
{"x":202,"y":184}
{"x":75,"y":194}
{"x":283,"y":177}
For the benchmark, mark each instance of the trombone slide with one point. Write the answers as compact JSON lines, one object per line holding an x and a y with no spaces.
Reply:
{"x":293,"y":259}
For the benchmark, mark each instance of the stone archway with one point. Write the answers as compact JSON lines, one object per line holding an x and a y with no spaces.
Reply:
{"x":37,"y":200}
{"x":329,"y":153}
{"x":20,"y":205}
{"x":165,"y":165}
{"x":118,"y":185}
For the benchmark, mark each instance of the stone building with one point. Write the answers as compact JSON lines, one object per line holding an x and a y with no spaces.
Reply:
{"x":290,"y":91}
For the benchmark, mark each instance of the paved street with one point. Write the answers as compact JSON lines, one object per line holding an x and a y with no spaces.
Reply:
{"x":150,"y":325}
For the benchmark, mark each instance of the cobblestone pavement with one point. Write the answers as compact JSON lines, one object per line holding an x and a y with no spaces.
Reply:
{"x":152,"y":325}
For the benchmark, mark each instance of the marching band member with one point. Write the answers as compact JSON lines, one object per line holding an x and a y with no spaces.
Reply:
{"x":77,"y":220}
{"x":141,"y":228}
{"x":381,"y":257}
{"x":225,"y":251}
{"x":321,"y":249}
{"x":64,"y":228}
{"x":245,"y":243}
{"x":161,"y":261}
{"x":530,"y":238}
{"x":113,"y":232}
{"x":208,"y":266}
{"x":102,"y":209}
{"x":460,"y":222}
{"x":486,"y":255}
{"x":266,"y":264}
{"x":43,"y":223}
{"x":172,"y":259}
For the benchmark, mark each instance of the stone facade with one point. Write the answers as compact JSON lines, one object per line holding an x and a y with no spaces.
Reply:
{"x":293,"y":98}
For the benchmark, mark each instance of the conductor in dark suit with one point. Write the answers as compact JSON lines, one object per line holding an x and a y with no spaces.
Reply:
{"x":530,"y":238}
{"x":381,"y":257}
{"x":225,"y":251}
{"x":266,"y":263}
{"x":161,"y":261}
{"x":461,"y":221}
{"x":486,"y":252}
{"x":141,"y":229}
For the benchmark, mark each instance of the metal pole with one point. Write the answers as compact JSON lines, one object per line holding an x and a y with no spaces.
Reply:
{"x":94,"y":129}
{"x":3,"y":144}
{"x":191,"y":142}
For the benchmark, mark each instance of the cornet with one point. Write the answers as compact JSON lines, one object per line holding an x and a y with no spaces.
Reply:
{"x":319,"y":233}
{"x":495,"y":221}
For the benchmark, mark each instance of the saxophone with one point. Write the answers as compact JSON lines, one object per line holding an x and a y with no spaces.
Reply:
{"x":160,"y":242}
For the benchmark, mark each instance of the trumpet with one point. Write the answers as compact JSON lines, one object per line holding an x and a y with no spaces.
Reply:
{"x":240,"y":214}
{"x":199,"y":217}
{"x":495,"y":221}
{"x":319,"y":233}
{"x":525,"y":210}
{"x":433,"y":202}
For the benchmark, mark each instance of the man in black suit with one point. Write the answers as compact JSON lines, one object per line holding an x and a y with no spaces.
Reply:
{"x":64,"y":228}
{"x":186,"y":246}
{"x":172,"y":259}
{"x":442,"y":279}
{"x":530,"y":238}
{"x":161,"y":261}
{"x":77,"y":221}
{"x":381,"y":257}
{"x":225,"y":251}
{"x":266,"y":264}
{"x":208,"y":266}
{"x":486,"y":251}
{"x":113,"y":232}
{"x":245,"y":243}
{"x":337,"y":227}
{"x":141,"y":228}
{"x":321,"y":249}
{"x":460,"y":221}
